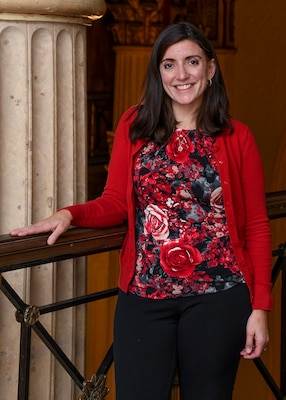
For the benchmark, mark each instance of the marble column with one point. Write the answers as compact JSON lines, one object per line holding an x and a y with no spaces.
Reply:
{"x":42,"y":168}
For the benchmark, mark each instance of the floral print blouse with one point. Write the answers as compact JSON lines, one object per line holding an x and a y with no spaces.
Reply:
{"x":182,"y":238}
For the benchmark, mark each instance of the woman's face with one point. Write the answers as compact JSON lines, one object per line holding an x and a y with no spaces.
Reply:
{"x":185,"y":72}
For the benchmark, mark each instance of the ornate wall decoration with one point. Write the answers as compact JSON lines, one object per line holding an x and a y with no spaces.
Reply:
{"x":138,"y":22}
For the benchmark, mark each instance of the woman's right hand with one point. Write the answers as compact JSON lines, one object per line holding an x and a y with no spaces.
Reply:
{"x":57,"y":223}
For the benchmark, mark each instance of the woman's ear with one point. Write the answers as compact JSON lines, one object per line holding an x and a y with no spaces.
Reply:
{"x":211,"y":68}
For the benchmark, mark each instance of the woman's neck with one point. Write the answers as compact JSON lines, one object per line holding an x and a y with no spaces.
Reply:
{"x":186,"y":117}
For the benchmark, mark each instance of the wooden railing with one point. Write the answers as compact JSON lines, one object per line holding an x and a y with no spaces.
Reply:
{"x":20,"y":253}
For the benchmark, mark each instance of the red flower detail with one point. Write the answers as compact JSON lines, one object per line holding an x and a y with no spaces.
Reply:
{"x":178,"y":258}
{"x":156,"y":222}
{"x":179,"y":146}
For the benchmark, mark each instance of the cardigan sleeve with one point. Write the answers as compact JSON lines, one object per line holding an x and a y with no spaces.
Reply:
{"x":247,"y":202}
{"x":242,"y":179}
{"x":257,"y":228}
{"x":110,"y":208}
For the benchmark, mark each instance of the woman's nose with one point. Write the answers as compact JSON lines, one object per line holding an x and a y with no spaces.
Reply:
{"x":182,"y":72}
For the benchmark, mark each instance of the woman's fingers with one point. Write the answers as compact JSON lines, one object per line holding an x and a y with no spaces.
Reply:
{"x":58,"y":223}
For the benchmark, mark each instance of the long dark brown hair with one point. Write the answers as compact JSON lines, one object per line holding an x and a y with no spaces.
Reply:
{"x":155,"y":120}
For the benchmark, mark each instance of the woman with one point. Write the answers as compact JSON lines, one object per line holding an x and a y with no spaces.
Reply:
{"x":196,"y":261}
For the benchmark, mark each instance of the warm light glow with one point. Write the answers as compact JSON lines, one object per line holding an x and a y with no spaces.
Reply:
{"x":94,"y":17}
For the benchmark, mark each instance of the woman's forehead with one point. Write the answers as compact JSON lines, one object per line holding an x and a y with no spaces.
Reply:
{"x":184,"y":48}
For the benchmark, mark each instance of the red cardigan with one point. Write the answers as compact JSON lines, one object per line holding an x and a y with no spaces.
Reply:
{"x":242,"y":181}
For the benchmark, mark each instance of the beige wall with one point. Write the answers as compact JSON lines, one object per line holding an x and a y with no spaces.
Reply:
{"x":260,"y":76}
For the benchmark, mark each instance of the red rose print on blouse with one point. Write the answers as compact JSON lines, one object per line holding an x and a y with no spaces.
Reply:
{"x":178,"y":258}
{"x":156,"y":222}
{"x":180,"y":146}
{"x":182,"y":238}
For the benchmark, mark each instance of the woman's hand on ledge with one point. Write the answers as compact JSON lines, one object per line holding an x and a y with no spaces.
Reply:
{"x":57,"y":223}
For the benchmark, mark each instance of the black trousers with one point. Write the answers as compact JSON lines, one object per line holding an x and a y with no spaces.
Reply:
{"x":200,"y":337}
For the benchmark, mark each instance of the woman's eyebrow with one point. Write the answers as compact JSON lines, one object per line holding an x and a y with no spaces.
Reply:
{"x":193,"y":56}
{"x":186,"y":58}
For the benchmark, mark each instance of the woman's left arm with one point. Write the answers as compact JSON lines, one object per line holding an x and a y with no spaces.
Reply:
{"x":258,"y":246}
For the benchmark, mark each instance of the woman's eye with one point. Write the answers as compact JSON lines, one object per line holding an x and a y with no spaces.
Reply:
{"x":168,"y":65}
{"x":193,"y":61}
